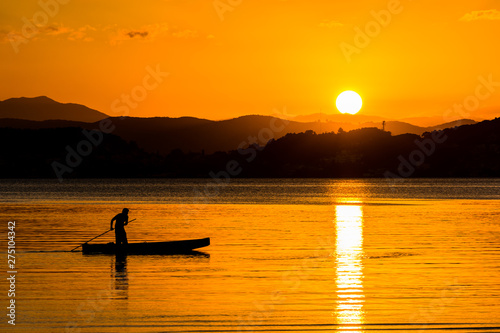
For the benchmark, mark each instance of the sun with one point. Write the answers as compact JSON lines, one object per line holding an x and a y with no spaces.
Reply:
{"x":349,"y":102}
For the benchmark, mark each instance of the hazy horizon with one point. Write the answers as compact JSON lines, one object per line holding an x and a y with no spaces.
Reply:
{"x":422,"y":121}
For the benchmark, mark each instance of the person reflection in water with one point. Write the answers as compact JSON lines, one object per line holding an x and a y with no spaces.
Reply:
{"x":121,"y":221}
{"x":120,"y":275}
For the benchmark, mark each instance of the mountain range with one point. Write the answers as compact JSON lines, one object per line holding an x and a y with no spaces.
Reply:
{"x":43,"y":108}
{"x":189,"y":134}
{"x":60,"y":153}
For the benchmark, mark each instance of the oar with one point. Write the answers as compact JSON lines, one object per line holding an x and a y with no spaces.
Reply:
{"x":96,"y":237}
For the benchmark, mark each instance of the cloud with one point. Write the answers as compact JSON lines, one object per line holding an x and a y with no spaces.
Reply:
{"x":6,"y":36}
{"x":54,"y":30}
{"x":149,"y":33}
{"x":491,"y":14}
{"x":133,"y":34}
{"x":112,"y":33}
{"x":330,"y":24}
{"x":82,"y":34}
{"x":146,"y":33}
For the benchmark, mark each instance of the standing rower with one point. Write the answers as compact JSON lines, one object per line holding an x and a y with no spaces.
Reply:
{"x":121,"y":221}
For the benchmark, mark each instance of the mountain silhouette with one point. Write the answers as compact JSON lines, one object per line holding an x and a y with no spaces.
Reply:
{"x":360,"y":120}
{"x":31,"y":154}
{"x":465,"y":151}
{"x":163,"y":134}
{"x":43,"y":108}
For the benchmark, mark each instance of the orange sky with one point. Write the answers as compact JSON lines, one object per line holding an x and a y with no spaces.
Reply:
{"x":254,"y":56}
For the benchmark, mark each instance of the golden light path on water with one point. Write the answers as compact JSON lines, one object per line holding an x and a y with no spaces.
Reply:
{"x":349,"y":272}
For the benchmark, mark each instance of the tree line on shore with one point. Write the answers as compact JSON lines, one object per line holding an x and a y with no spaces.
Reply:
{"x":65,"y":153}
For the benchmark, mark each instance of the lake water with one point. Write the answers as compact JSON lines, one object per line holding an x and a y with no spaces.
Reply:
{"x":286,"y":255}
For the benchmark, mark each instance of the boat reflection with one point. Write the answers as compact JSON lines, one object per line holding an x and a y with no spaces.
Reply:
{"x":349,"y":272}
{"x":121,"y":276}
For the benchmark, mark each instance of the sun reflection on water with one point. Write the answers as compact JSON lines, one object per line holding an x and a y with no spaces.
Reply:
{"x":349,"y":278}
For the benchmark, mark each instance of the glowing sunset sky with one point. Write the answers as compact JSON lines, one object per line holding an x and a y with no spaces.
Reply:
{"x":250,"y":57}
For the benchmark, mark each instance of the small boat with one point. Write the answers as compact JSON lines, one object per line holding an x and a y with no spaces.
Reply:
{"x":173,"y":247}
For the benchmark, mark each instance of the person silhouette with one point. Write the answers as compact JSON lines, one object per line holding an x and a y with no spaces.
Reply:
{"x":121,"y":221}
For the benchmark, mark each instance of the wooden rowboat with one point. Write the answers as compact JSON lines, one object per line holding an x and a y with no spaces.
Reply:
{"x":174,"y":247}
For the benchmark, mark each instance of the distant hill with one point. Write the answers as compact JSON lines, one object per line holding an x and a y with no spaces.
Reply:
{"x":423,"y":121}
{"x":43,"y":108}
{"x":376,"y":121}
{"x":465,"y":151}
{"x":32,"y":154}
{"x":339,"y":118}
{"x":188,"y":134}
{"x":399,"y":127}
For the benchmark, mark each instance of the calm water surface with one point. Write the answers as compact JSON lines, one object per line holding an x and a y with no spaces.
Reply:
{"x":286,"y":256}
